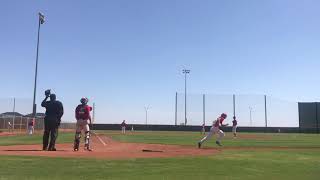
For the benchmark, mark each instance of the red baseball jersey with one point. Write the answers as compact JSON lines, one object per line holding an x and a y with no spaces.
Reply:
{"x":218,"y":122}
{"x":83,"y":112}
{"x":31,"y":123}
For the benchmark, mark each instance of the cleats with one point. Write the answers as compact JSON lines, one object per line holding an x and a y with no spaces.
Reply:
{"x":199,"y":145}
{"x":218,"y":143}
{"x":87,"y":147}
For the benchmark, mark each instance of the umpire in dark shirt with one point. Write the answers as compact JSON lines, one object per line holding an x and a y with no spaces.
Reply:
{"x":54,"y":112}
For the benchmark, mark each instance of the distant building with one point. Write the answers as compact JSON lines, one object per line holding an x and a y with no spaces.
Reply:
{"x":20,"y":121}
{"x":16,"y":114}
{"x":38,"y":115}
{"x":10,"y":115}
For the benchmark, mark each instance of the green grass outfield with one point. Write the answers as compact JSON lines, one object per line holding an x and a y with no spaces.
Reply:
{"x":258,"y":140}
{"x":300,"y":160}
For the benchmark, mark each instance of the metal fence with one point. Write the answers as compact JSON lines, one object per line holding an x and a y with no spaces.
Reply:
{"x":16,"y":112}
{"x":20,"y":123}
{"x":250,"y":110}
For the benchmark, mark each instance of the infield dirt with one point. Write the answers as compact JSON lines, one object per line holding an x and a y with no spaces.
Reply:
{"x":109,"y":149}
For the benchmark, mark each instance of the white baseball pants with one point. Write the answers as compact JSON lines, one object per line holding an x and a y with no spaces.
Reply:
{"x":213,"y":130}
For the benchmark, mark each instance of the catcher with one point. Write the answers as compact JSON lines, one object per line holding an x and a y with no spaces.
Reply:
{"x":83,"y":117}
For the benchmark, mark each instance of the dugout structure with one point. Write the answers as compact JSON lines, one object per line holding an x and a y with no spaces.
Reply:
{"x":309,"y":117}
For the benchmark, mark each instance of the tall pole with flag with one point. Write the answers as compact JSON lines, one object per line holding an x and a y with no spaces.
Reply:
{"x":34,"y":108}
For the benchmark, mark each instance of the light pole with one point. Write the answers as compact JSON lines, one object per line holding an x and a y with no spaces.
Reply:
{"x":146,"y":108}
{"x":34,"y":108}
{"x":250,"y":109}
{"x":185,"y":72}
{"x":14,"y":112}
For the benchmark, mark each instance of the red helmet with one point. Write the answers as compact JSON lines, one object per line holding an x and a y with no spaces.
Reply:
{"x":84,"y":100}
{"x":224,"y":115}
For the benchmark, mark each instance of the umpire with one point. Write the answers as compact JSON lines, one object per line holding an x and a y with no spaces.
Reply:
{"x":54,"y":112}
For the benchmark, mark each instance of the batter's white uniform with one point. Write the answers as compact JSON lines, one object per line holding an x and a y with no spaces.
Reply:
{"x":82,"y":125}
{"x":215,"y":129}
{"x":30,"y":130}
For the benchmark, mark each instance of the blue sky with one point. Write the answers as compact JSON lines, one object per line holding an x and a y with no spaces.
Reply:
{"x":125,"y":54}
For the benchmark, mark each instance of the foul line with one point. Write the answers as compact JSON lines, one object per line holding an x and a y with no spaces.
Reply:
{"x":100,"y":139}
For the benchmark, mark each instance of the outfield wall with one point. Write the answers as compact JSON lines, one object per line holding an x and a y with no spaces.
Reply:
{"x":309,"y":116}
{"x":140,"y":127}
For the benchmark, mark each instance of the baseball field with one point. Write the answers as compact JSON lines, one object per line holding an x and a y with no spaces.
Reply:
{"x":163,"y":155}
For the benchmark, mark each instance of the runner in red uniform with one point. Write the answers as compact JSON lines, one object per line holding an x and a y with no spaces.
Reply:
{"x":215,"y":129}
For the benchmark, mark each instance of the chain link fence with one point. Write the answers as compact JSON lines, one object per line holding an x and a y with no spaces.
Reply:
{"x":20,"y":123}
{"x":16,"y":114}
{"x":250,"y":110}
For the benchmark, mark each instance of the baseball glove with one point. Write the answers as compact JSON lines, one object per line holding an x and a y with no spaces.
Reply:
{"x":47,"y":93}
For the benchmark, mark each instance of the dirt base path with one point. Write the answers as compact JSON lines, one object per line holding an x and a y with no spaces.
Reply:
{"x":104,"y":147}
{"x":7,"y":134}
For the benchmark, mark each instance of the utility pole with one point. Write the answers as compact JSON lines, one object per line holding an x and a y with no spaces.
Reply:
{"x":250,"y":109}
{"x":185,"y":72}
{"x":146,"y":108}
{"x":234,"y":105}
{"x":14,"y":112}
{"x":176,"y":110}
{"x":265,"y":111}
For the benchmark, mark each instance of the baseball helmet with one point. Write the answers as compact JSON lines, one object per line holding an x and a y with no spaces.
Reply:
{"x":84,"y":100}
{"x":224,"y":115}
